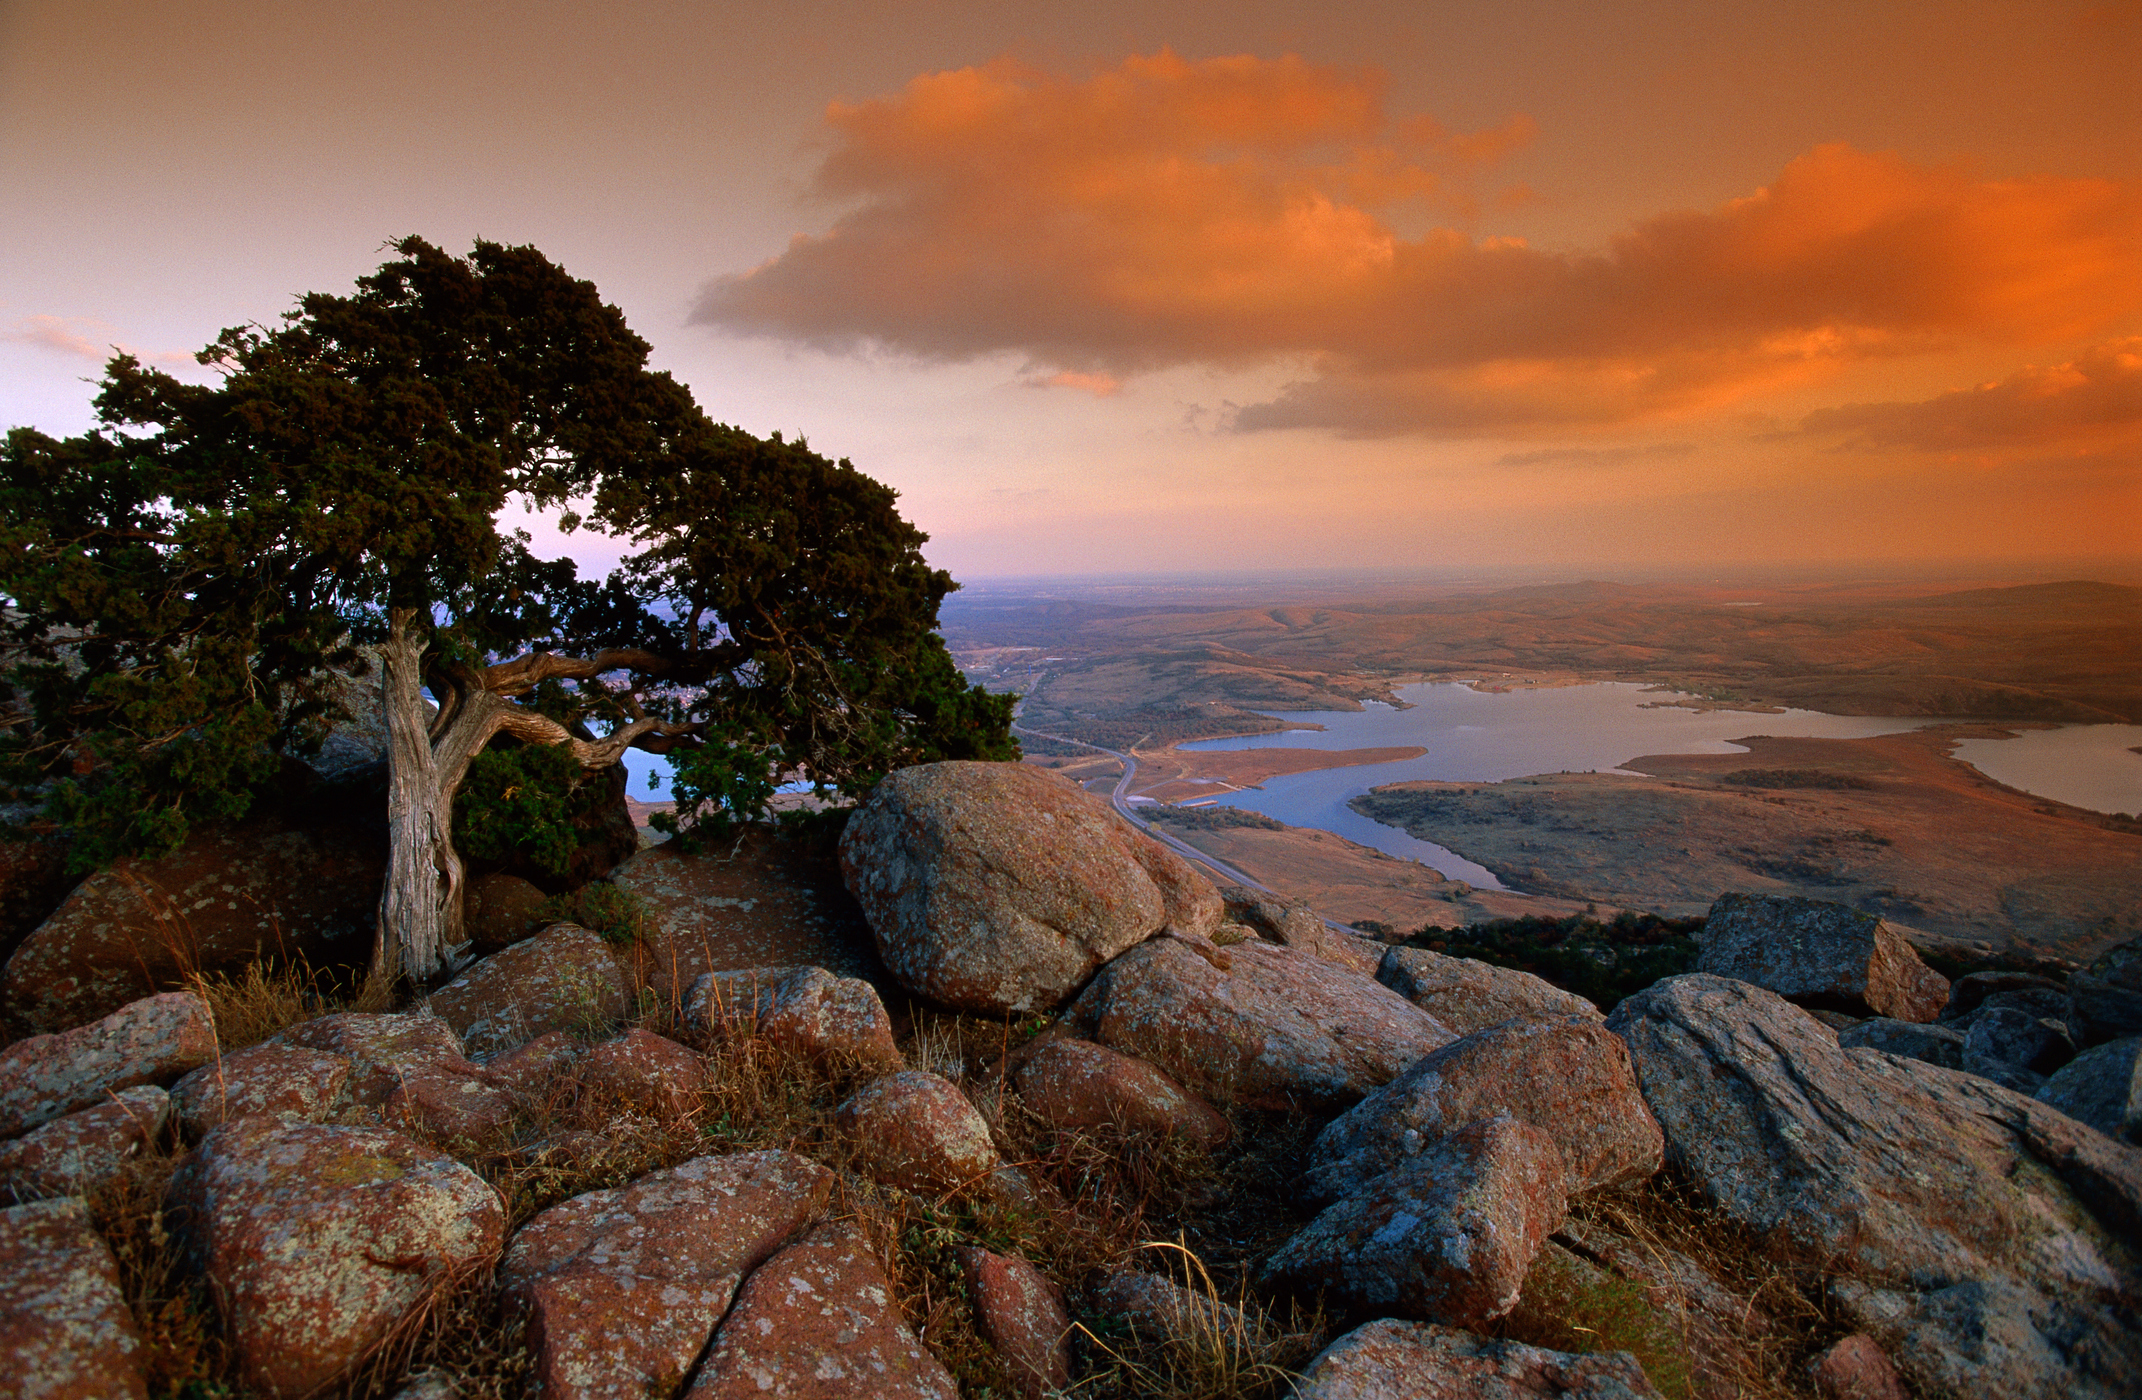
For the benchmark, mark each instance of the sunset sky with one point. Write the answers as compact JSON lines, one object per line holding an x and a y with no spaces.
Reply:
{"x":1185,"y":286}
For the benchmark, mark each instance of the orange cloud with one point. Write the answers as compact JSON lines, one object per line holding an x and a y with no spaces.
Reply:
{"x":1233,"y":212}
{"x":58,"y":334}
{"x":2094,"y":399}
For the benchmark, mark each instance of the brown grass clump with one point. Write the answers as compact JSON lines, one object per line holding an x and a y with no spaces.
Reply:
{"x":183,"y":1349}
{"x":1234,"y":1347}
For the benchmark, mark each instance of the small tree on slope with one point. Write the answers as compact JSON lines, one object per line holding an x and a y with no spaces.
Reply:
{"x":180,"y":578}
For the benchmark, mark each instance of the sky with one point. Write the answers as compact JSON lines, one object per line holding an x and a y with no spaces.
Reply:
{"x":1173,"y":287}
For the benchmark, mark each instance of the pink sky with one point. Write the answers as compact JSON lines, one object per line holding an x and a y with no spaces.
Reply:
{"x":1198,"y":286}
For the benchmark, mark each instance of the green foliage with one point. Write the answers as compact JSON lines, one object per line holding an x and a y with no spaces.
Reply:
{"x":618,"y":914}
{"x":1567,"y":1306}
{"x":524,"y":801}
{"x":1796,"y":778}
{"x":1212,"y":818}
{"x":1602,"y":962}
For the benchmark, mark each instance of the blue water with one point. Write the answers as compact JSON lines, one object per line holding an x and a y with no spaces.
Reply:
{"x":2093,"y":766}
{"x":1475,"y":736}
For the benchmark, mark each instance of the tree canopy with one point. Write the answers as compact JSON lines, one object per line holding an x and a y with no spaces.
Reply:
{"x":182,"y":579}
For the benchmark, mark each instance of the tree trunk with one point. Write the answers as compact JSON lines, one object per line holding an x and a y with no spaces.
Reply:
{"x":420,"y":927}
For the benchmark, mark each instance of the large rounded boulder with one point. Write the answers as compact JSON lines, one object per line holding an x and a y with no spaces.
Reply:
{"x":997,"y":887}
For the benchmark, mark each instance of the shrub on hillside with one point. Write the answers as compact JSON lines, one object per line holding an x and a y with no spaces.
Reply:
{"x":1602,"y":962}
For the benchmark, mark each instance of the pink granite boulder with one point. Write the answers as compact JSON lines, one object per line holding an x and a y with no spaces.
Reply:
{"x":380,"y":1048}
{"x":1390,"y":1359}
{"x":1021,"y":1315}
{"x":645,"y":1073}
{"x":838,"y":1022}
{"x":918,"y":1132}
{"x":564,"y":978}
{"x":285,"y":1081}
{"x":1072,"y":1084}
{"x":151,"y":1041}
{"x":998,"y":887}
{"x":66,"y":1332}
{"x":72,"y":1156}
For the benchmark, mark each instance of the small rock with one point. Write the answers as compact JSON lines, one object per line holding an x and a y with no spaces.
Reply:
{"x":66,"y":1332}
{"x":1445,"y":1237}
{"x":529,"y":1072}
{"x":1566,"y":1075}
{"x":1824,"y":954}
{"x":1022,"y":1315}
{"x":564,"y":978}
{"x":462,"y":1110}
{"x":818,"y":1320}
{"x":998,"y":887}
{"x":1468,"y":995}
{"x":1856,"y":1369}
{"x":1392,"y":1360}
{"x":318,"y":1239}
{"x":1935,"y":1044}
{"x":2102,"y":1087}
{"x":1255,"y":1024}
{"x":918,"y":1132}
{"x":151,"y":1041}
{"x":1163,"y":1309}
{"x":501,"y":910}
{"x":623,"y":1287}
{"x":287,"y":1081}
{"x":380,"y":1048}
{"x":647,"y":1072}
{"x":72,"y":1156}
{"x":1071,"y":1084}
{"x":834,"y":1021}
{"x":1968,"y":992}
{"x":1293,"y":924}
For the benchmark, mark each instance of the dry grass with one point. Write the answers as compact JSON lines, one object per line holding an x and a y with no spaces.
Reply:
{"x":1230,"y":1345}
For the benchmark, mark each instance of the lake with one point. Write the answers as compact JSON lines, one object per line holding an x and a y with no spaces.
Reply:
{"x":2084,"y":765}
{"x":1479,"y":736}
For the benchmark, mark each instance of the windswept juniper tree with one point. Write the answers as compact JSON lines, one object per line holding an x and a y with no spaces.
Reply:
{"x":180,"y":579}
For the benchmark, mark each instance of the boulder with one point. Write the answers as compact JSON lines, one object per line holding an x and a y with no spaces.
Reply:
{"x":2106,"y":997}
{"x":623,"y":1287}
{"x":1468,"y":995}
{"x":66,"y":1332}
{"x":1856,"y":1369}
{"x":818,"y":1319}
{"x":287,"y":1081}
{"x":1972,"y":990}
{"x":533,"y":1071}
{"x":1293,"y":924}
{"x":1021,"y":1315}
{"x":2014,"y":1048}
{"x":1994,"y":1338}
{"x":1827,"y":955}
{"x":499,"y":910}
{"x":1935,"y":1044}
{"x":1568,"y":1076}
{"x":1254,"y":1024}
{"x":647,"y":1073}
{"x":998,"y":887}
{"x":226,"y":897}
{"x":2101,"y":1087}
{"x":766,"y":901}
{"x":380,"y":1048}
{"x":72,"y":1156}
{"x":1071,"y":1084}
{"x":918,"y":1132}
{"x":1903,"y":1174}
{"x":151,"y":1041}
{"x":564,"y":978}
{"x":458,"y":1108}
{"x":833,"y":1021}
{"x":1389,"y":1359}
{"x":317,"y":1240}
{"x":1446,"y":1237}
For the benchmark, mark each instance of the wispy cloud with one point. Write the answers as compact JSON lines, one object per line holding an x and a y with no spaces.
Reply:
{"x":71,"y":336}
{"x":2095,"y":398}
{"x":1595,"y":456}
{"x":1237,"y":211}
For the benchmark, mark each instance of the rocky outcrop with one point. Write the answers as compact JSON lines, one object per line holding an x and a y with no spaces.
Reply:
{"x":564,"y":978}
{"x":226,"y":897}
{"x":1254,"y":1024}
{"x":1393,"y":1360}
{"x":818,"y":1319}
{"x":1935,"y":1044}
{"x":623,"y":1288}
{"x":66,"y":1332}
{"x":381,"y":1048}
{"x":834,"y":1021}
{"x":1446,"y":1237}
{"x":1468,"y":995}
{"x":317,"y":1240}
{"x":997,"y":887}
{"x":1568,"y":1076}
{"x":645,"y":1073}
{"x":1072,"y":1084}
{"x":500,"y":910}
{"x":1913,"y":1179}
{"x":74,"y":1155}
{"x":1021,"y":1314}
{"x":1293,"y":924}
{"x":1827,"y":955}
{"x":151,"y":1041}
{"x":2105,"y":998}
